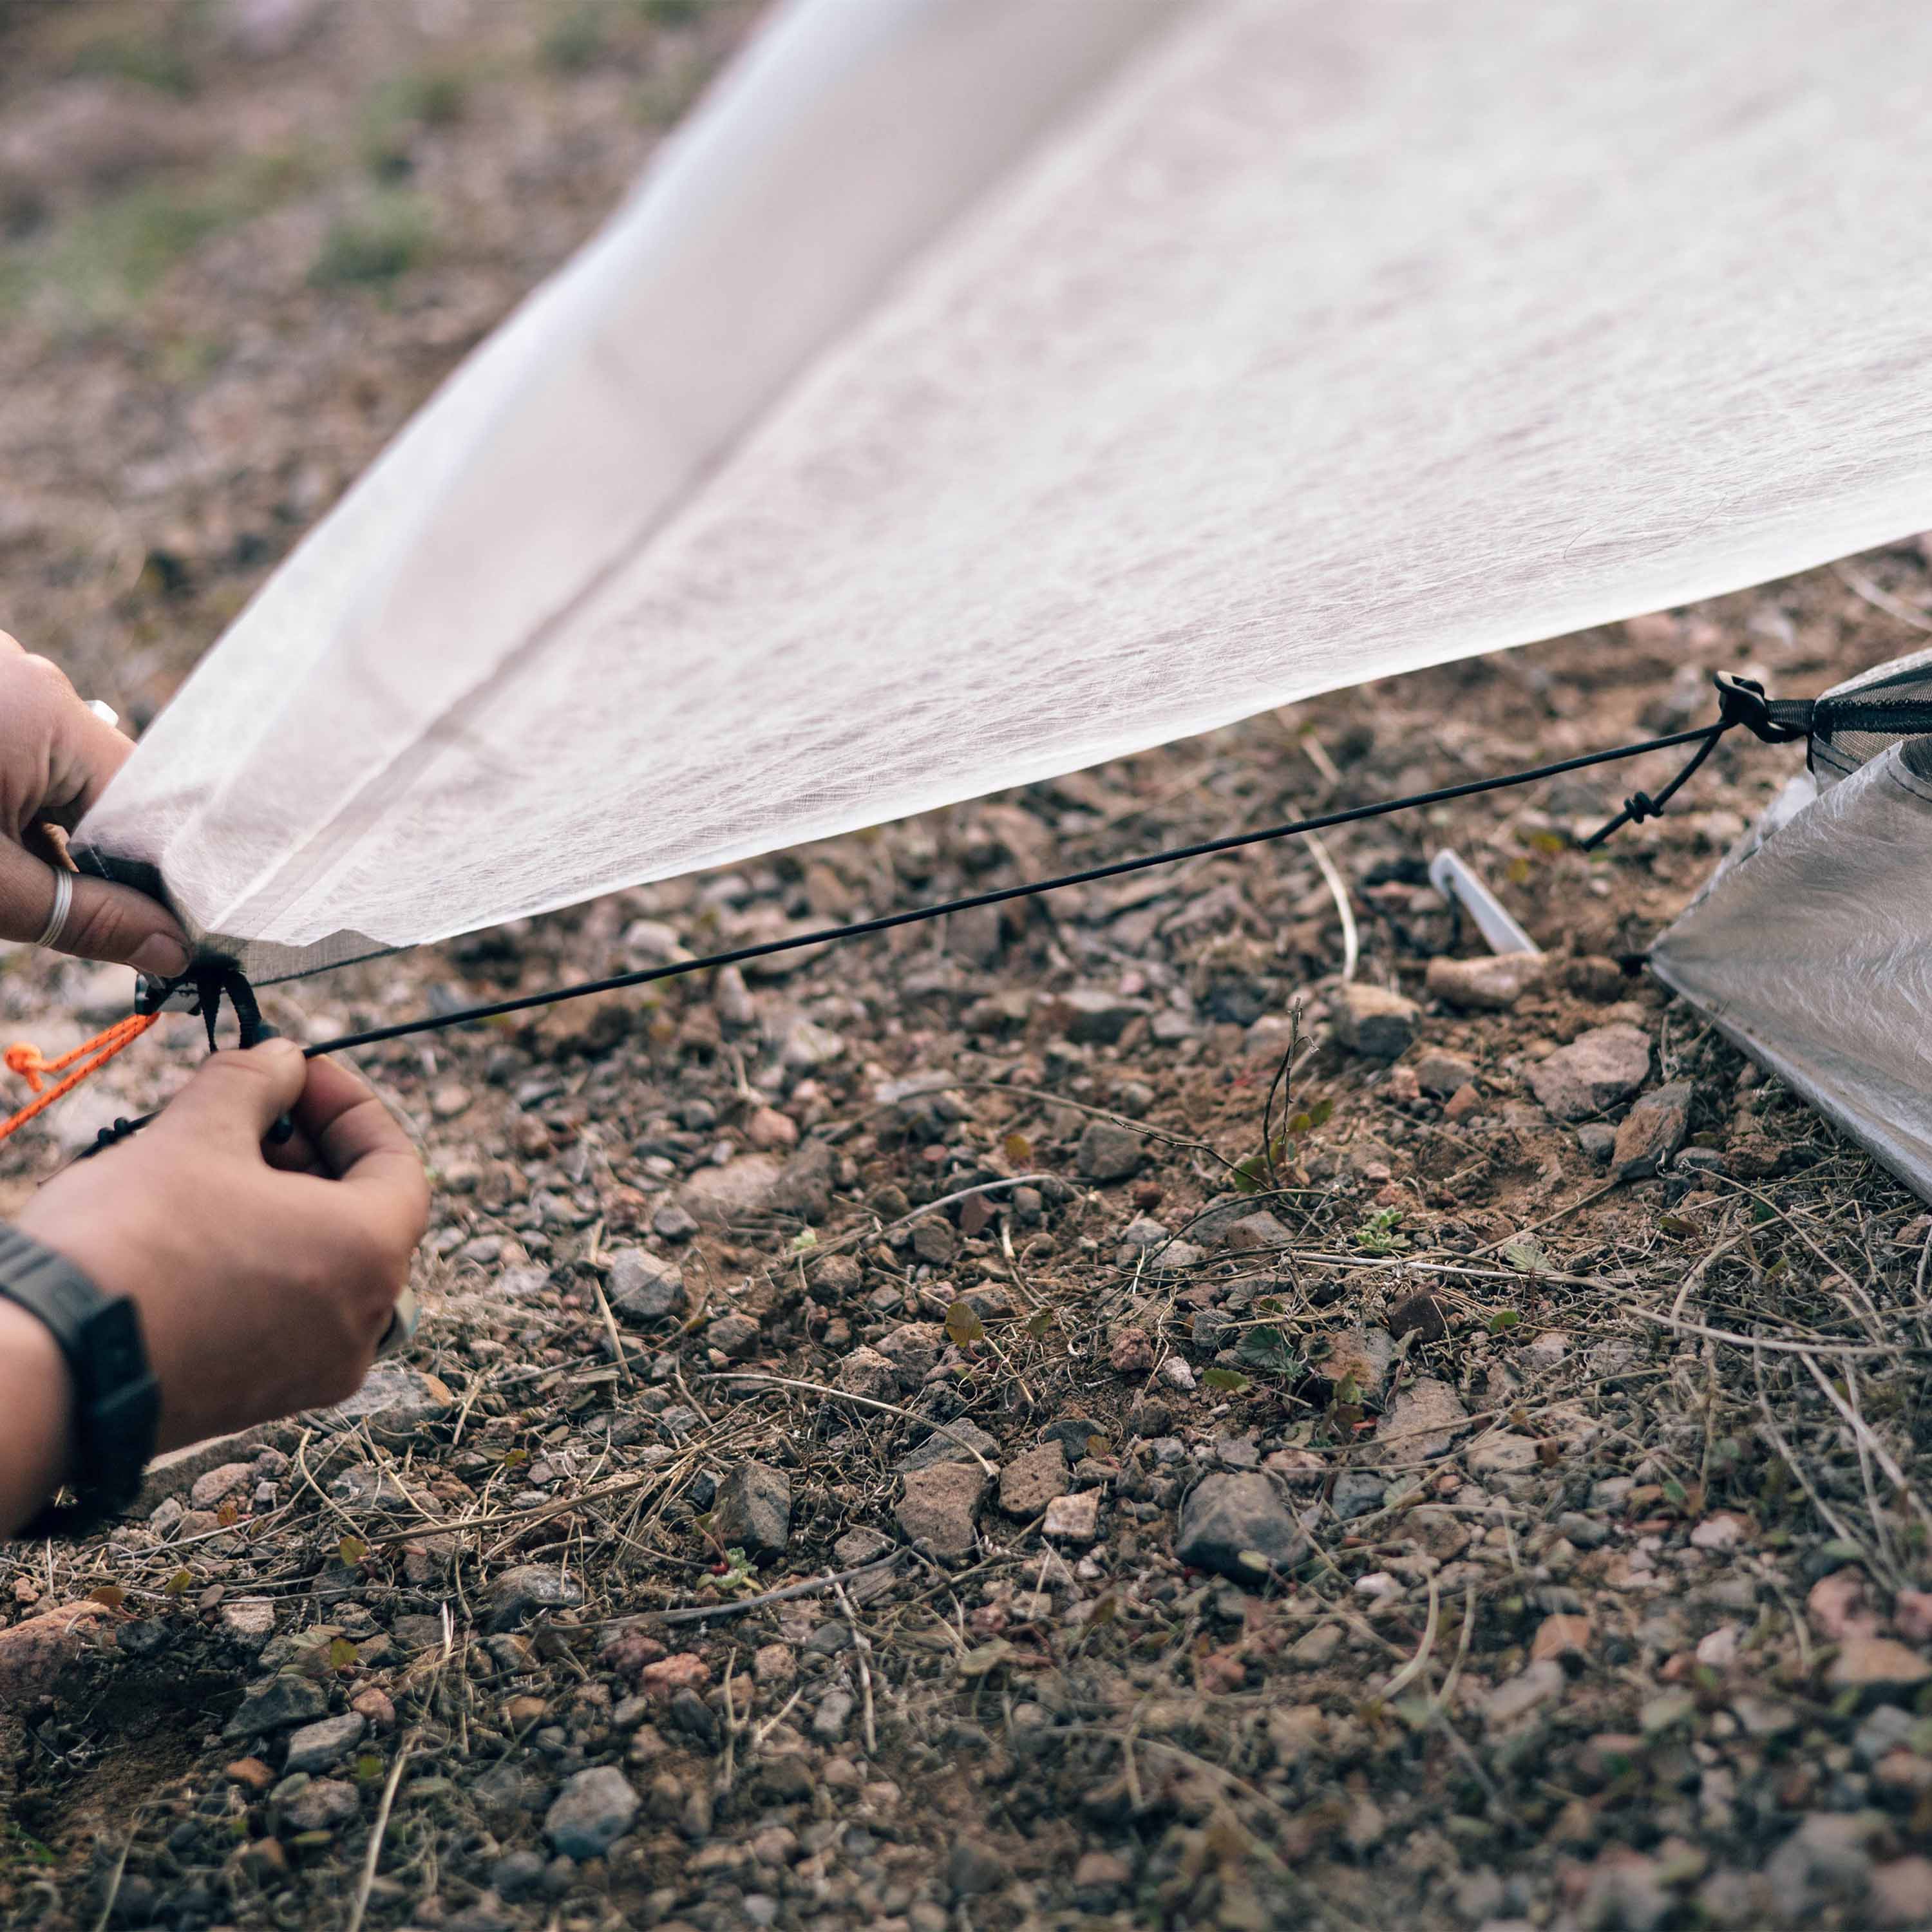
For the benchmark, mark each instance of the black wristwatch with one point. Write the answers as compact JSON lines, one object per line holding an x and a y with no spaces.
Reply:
{"x":117,"y":1402}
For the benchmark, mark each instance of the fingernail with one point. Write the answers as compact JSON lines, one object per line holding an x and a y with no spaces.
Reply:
{"x":166,"y":959}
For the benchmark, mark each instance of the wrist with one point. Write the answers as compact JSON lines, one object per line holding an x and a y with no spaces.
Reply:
{"x":36,"y":1415}
{"x":101,"y":1382}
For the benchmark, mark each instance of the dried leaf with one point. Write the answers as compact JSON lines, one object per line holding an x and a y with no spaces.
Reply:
{"x":342,"y":1654}
{"x":1017,"y":1149}
{"x":109,"y":1596}
{"x":351,"y":1549}
{"x":179,"y":1584}
{"x":1231,"y":1380}
{"x":963,"y":1326}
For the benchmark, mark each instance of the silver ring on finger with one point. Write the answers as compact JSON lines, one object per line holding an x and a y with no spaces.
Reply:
{"x":63,"y":904}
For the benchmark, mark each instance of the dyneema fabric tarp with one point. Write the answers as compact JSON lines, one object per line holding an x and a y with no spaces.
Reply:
{"x":981,"y":388}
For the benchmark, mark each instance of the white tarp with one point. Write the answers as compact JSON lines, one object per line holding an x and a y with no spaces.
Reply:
{"x":981,"y":388}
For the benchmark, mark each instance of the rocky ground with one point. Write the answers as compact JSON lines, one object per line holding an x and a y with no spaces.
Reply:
{"x":1081,"y":1416}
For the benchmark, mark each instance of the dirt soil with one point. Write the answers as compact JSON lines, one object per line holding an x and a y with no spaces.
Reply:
{"x":929,"y":1434}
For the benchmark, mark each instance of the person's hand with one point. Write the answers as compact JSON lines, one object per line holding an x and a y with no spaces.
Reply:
{"x":262,"y":1289}
{"x":55,"y":758}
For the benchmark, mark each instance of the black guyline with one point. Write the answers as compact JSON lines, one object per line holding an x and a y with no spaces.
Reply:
{"x":1705,"y":735}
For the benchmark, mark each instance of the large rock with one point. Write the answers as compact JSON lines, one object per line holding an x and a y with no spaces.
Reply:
{"x":213,"y":1488}
{"x":1492,"y":984}
{"x":1237,"y":1524}
{"x":35,"y":1651}
{"x":804,"y":1184}
{"x":866,"y":1373}
{"x":276,"y":1703}
{"x":323,"y":1805}
{"x":1107,"y":1151}
{"x":1424,"y":1420}
{"x":1652,"y":1131}
{"x":394,"y":1403}
{"x":1442,"y":1073}
{"x":938,"y":1506}
{"x":1074,"y":1518}
{"x":592,"y":1811}
{"x":1597,"y":1070}
{"x":528,"y":1591}
{"x":1258,"y":1232}
{"x":644,"y":1287}
{"x":317,"y":1747}
{"x":753,"y":1511}
{"x":1373,"y":1021}
{"x":736,"y":1192}
{"x":915,"y":1347}
{"x":1030,"y":1482}
{"x":1875,"y":1663}
{"x":175,"y":1472}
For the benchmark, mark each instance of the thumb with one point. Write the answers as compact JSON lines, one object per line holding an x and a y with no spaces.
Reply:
{"x":237,"y":1096}
{"x":103,"y":921}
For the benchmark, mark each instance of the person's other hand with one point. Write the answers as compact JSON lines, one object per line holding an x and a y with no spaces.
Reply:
{"x":262,"y":1289}
{"x":55,"y":758}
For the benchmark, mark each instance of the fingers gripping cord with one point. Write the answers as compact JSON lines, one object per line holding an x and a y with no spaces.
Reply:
{"x":206,"y":988}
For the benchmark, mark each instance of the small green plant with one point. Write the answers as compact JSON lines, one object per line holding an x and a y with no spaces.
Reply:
{"x":740,"y":1578}
{"x":1268,"y":1347}
{"x":1377,"y":1235}
{"x":374,"y":246}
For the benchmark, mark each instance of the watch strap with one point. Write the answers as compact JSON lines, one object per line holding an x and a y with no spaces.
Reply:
{"x":116,"y":1404}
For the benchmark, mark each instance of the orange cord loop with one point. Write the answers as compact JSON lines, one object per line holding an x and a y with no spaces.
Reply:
{"x":25,"y":1059}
